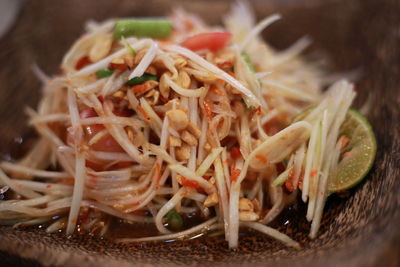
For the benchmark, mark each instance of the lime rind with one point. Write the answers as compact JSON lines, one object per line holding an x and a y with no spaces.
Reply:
{"x":361,"y":153}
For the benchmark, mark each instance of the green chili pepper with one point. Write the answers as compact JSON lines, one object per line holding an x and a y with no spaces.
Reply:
{"x":152,"y":27}
{"x":142,"y":79}
{"x":246,"y":58}
{"x":104,"y":73}
{"x":174,"y":219}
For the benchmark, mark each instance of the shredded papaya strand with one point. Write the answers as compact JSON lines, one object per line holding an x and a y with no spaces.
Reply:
{"x":143,"y":112}
{"x":289,"y":182}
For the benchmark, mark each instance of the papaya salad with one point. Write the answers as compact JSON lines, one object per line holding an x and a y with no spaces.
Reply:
{"x":156,"y":119}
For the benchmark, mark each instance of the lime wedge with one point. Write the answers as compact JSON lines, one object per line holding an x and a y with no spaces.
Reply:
{"x":358,"y":156}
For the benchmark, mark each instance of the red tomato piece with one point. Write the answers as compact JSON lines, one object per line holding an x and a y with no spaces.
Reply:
{"x":107,"y":143}
{"x":212,"y":41}
{"x":235,"y":152}
{"x":190,"y":183}
{"x":82,"y":62}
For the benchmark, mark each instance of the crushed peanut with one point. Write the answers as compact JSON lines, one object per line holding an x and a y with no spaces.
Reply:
{"x":129,"y":59}
{"x":119,"y":94}
{"x":118,"y":60}
{"x":212,"y":180}
{"x":256,"y":205}
{"x":211,"y":200}
{"x":178,"y":119}
{"x":205,"y":78}
{"x":164,"y":88}
{"x":152,"y":96}
{"x":183,"y":79}
{"x":189,"y":138}
{"x":248,"y":216}
{"x":193,"y":129}
{"x":101,"y":48}
{"x":182,"y":153}
{"x":245,"y":204}
{"x":179,"y":62}
{"x":207,"y":147}
{"x":174,"y":141}
{"x":139,"y":56}
{"x":137,"y":138}
{"x":119,"y":207}
{"x":170,"y":104}
{"x":151,"y":70}
{"x":224,"y":57}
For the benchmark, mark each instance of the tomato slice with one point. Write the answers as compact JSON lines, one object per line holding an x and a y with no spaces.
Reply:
{"x":212,"y":41}
{"x":82,"y":62}
{"x":105,"y":144}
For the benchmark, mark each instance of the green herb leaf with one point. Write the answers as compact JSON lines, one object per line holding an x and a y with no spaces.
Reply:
{"x":246,"y":58}
{"x":104,"y":73}
{"x":142,"y":79}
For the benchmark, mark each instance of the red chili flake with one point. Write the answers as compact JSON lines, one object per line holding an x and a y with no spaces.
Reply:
{"x":207,"y":177}
{"x":313,"y":173}
{"x":235,"y":152}
{"x":262,"y":158}
{"x":216,"y":90}
{"x":207,"y":108}
{"x":235,"y":174}
{"x":225,"y":65}
{"x":256,"y":111}
{"x":220,"y":82}
{"x":189,"y":183}
{"x":139,"y":88}
{"x":158,"y":173}
{"x":82,"y":62}
{"x":120,"y":67}
{"x":231,"y":73}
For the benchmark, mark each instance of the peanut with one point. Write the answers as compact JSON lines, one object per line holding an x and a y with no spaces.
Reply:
{"x":178,"y":119}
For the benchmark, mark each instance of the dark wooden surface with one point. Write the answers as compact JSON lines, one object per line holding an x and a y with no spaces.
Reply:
{"x":362,"y":230}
